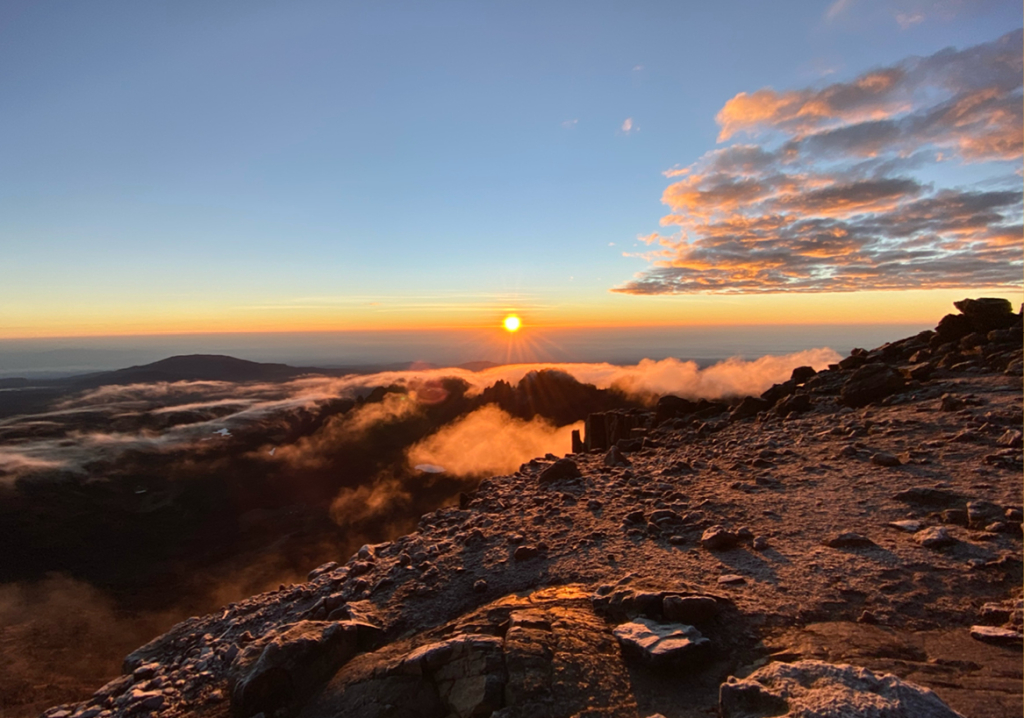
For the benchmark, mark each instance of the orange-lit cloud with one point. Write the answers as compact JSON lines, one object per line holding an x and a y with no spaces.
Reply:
{"x":834,"y":197}
{"x":489,"y":441}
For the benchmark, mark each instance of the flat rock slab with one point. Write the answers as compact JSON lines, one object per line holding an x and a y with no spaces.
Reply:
{"x":814,"y":689}
{"x":661,"y":643}
{"x":997,"y":635}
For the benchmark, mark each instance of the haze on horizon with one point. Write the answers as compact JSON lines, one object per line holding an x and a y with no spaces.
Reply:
{"x":179,"y":169}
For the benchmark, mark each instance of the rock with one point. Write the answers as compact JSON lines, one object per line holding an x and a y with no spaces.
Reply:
{"x":981,"y":513}
{"x":760,"y":543}
{"x":907,"y":526}
{"x":1011,"y":438}
{"x":480,"y":586}
{"x":802,"y":374}
{"x":825,"y":690}
{"x":884,"y":458}
{"x":849,"y":539}
{"x":951,"y":328}
{"x":661,"y":643}
{"x":871,"y":382}
{"x":919,"y":371}
{"x":525,"y":553}
{"x":614,"y":457}
{"x":987,"y":313}
{"x":689,"y":609}
{"x":731,"y":579}
{"x":561,"y":469}
{"x":794,"y":404}
{"x":998,"y":636}
{"x":750,"y":406}
{"x":935,"y":537}
{"x":951,"y":403}
{"x":288,"y":663}
{"x":928,"y":496}
{"x":670,"y":407}
{"x":717,"y":538}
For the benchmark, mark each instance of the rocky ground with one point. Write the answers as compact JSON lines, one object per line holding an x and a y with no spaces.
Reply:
{"x":781,"y":555}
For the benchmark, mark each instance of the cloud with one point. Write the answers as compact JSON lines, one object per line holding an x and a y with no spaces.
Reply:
{"x":835,"y":188}
{"x":570,"y":124}
{"x":146,"y":418}
{"x":488,"y":442}
{"x":627,"y":125}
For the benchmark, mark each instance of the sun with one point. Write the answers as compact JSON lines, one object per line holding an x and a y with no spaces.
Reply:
{"x":512,"y":323}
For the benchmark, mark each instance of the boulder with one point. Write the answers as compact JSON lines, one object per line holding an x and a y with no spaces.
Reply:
{"x":951,"y":328}
{"x":670,"y":407}
{"x":987,"y":313}
{"x":750,"y":406}
{"x":802,"y":374}
{"x":289,"y":663}
{"x":871,"y":382}
{"x":807,"y":689}
{"x":717,"y":538}
{"x":794,"y":404}
{"x":561,"y":469}
{"x":661,"y":643}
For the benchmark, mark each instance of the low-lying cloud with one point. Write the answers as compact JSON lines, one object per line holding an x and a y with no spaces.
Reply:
{"x":192,"y":415}
{"x":488,"y":442}
{"x":841,"y":192}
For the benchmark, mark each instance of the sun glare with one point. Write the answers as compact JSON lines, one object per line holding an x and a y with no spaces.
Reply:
{"x":512,"y":323}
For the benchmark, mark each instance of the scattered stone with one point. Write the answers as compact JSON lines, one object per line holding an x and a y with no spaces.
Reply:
{"x":717,"y":538}
{"x":561,"y":469}
{"x":935,"y":537}
{"x":750,"y":406}
{"x":824,"y":690}
{"x":907,"y":526}
{"x":884,"y":458}
{"x":997,"y":635}
{"x":661,"y":643}
{"x":872,"y":382}
{"x":689,"y":609}
{"x":951,"y":403}
{"x":614,"y":457}
{"x":525,"y":553}
{"x":849,"y":539}
{"x":802,"y":374}
{"x":1012,"y":438}
{"x":731,"y":579}
{"x":927,"y":496}
{"x":760,"y":543}
{"x":982,"y":513}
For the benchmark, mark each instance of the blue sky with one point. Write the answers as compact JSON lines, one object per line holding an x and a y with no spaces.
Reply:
{"x":193,"y":166}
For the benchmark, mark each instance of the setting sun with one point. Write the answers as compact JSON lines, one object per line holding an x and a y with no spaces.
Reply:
{"x":512,"y":323}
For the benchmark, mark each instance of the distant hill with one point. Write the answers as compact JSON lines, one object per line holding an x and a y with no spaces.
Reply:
{"x":193,"y":367}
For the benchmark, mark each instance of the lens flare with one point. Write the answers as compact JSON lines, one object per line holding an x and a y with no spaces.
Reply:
{"x":512,"y":323}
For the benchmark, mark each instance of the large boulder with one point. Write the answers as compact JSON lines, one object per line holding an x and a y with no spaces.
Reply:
{"x":870,"y":383}
{"x":289,"y":663}
{"x":670,"y":407}
{"x":987,"y":313}
{"x":813,"y":689}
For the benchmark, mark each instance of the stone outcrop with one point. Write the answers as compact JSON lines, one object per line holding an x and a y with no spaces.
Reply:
{"x":813,"y":689}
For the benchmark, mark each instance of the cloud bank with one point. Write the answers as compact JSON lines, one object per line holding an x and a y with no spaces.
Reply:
{"x":190,"y":415}
{"x":844,"y":188}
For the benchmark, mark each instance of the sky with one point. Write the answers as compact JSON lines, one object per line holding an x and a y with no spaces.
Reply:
{"x":180,"y":168}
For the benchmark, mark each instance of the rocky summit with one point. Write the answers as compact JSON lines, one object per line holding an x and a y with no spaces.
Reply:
{"x":847,"y":544}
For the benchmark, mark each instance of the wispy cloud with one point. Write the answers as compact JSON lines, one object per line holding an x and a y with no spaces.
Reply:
{"x":832,"y":195}
{"x":570,"y":124}
{"x":627,"y":126}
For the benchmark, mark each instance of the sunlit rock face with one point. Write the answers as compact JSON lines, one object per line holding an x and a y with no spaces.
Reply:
{"x":717,"y":561}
